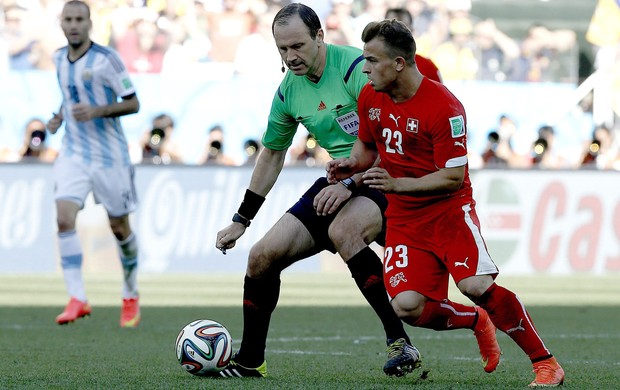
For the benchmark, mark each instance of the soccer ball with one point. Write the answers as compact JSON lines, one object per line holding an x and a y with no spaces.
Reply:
{"x":204,"y":347}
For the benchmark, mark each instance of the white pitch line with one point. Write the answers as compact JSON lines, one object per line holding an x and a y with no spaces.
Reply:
{"x":298,"y":352}
{"x":456,"y":358}
{"x":440,"y":336}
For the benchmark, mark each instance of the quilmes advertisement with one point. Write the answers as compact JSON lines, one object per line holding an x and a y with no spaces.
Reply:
{"x":533,"y":222}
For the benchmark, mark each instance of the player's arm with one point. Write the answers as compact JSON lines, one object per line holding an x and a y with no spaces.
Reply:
{"x":128,"y":105}
{"x":268,"y":167}
{"x":363,"y":156}
{"x":345,"y":174}
{"x":266,"y":171}
{"x":443,"y":181}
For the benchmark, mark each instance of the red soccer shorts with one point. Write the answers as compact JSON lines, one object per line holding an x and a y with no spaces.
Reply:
{"x":438,"y":242}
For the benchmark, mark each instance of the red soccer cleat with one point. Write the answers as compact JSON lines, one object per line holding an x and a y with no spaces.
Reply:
{"x":75,"y":309}
{"x":487,"y":342}
{"x":130,"y":313}
{"x":548,"y":373}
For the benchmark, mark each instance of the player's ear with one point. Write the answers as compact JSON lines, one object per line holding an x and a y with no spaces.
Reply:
{"x":319,"y":37}
{"x":400,"y":63}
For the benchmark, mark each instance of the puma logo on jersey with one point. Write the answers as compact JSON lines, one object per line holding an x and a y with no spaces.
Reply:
{"x":457,"y":143}
{"x":462,"y":263}
{"x":395,"y":119}
{"x":516,"y":328}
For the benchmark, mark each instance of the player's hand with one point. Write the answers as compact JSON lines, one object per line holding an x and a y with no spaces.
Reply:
{"x":330,"y":198}
{"x":379,"y":179}
{"x":339,"y":169}
{"x":227,"y":237}
{"x":54,"y":123}
{"x":83,"y":112}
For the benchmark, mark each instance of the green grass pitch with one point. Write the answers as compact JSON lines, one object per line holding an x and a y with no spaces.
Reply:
{"x":322,"y":336}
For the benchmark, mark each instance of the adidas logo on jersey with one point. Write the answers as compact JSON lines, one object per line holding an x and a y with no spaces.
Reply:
{"x":322,"y":106}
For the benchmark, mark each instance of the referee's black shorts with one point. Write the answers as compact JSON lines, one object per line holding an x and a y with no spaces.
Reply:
{"x":318,"y":225}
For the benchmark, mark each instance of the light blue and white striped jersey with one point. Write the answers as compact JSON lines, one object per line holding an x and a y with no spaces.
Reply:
{"x":97,"y":78}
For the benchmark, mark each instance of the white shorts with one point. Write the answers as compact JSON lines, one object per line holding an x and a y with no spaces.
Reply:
{"x":113,"y":187}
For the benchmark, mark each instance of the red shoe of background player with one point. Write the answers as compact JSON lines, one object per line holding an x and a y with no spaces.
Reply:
{"x":75,"y":309}
{"x":130,"y":313}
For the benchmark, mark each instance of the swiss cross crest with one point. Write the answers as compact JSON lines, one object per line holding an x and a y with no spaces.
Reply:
{"x":412,"y":125}
{"x":396,"y":279}
{"x":374,"y":114}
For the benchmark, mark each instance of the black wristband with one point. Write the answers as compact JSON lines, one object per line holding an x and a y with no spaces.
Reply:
{"x":251,"y":204}
{"x":242,"y":220}
{"x":349,"y":184}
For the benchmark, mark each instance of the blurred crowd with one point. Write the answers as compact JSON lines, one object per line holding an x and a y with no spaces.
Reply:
{"x":158,"y":36}
{"x":155,"y":36}
{"x":507,"y":147}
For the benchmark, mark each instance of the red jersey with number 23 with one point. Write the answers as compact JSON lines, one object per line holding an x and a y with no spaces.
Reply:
{"x":415,"y":138}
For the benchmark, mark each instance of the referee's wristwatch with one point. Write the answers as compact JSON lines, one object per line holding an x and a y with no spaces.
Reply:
{"x":241,"y":219}
{"x":349,"y":184}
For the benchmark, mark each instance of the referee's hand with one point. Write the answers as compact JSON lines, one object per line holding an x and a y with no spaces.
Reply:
{"x":227,"y":237}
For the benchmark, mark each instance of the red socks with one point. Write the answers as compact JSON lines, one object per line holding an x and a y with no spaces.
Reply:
{"x":509,"y":315}
{"x":447,"y":315}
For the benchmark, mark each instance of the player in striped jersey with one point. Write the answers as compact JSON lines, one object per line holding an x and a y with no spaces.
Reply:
{"x":94,"y":156}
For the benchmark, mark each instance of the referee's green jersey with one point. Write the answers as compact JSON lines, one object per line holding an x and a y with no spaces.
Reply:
{"x":327,"y":109}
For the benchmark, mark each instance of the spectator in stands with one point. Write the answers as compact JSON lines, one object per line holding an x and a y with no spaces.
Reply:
{"x":227,"y":28}
{"x":544,"y":156}
{"x":604,"y":34}
{"x":599,"y":153}
{"x":513,"y":145}
{"x":35,"y":149}
{"x":457,"y":57}
{"x":490,"y":156}
{"x":541,"y":55}
{"x":157,"y":144}
{"x":144,"y":44}
{"x":189,"y":43}
{"x":496,"y":51}
{"x":308,"y":153}
{"x":422,"y":15}
{"x":214,"y":152}
{"x":255,"y":55}
{"x":425,"y":65}
{"x":251,"y":148}
{"x":339,"y":25}
{"x":372,"y":10}
{"x":21,"y":38}
{"x":431,"y":20}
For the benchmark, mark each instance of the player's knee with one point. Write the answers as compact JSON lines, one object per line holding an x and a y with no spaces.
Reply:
{"x":346,"y":237}
{"x":260,"y":261}
{"x":474,"y":286}
{"x":120,"y":228}
{"x":408,"y":306}
{"x":338,"y":235}
{"x":65,"y":223}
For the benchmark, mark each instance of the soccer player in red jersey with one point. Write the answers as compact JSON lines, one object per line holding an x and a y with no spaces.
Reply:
{"x":418,"y":129}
